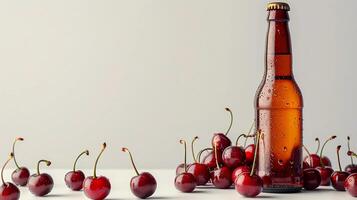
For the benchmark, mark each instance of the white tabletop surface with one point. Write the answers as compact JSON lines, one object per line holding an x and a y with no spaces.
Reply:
{"x":166,"y":190}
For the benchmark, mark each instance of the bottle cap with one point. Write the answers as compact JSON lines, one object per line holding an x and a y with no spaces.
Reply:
{"x":278,"y":6}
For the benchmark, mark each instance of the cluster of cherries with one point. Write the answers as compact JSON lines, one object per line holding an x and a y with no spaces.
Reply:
{"x":224,"y":165}
{"x":143,"y":185}
{"x":318,"y":170}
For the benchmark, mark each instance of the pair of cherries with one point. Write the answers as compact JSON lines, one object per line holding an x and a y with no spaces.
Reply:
{"x":39,"y":184}
{"x":98,"y":187}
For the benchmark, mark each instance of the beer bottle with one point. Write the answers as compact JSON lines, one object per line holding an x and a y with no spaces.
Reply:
{"x":278,"y":105}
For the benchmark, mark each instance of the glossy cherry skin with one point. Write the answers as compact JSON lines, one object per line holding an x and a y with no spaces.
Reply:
{"x":249,"y":154}
{"x":248,"y":186}
{"x":325,"y":173}
{"x":9,"y":191}
{"x":143,"y":186}
{"x":74,"y":180}
{"x":351,"y":184}
{"x":237,"y":171}
{"x":41,"y":184}
{"x":313,"y":160}
{"x":222,"y":178}
{"x":312,"y":178}
{"x":220,"y":141}
{"x":185,"y":182}
{"x":20,"y":176}
{"x":351,"y":168}
{"x":326,"y":161}
{"x":210,"y":160}
{"x":338,"y":180}
{"x":200,"y":172}
{"x":233,"y":156}
{"x":96,"y":188}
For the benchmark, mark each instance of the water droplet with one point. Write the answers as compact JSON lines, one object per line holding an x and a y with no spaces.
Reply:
{"x":280,"y":162}
{"x":285,"y":148}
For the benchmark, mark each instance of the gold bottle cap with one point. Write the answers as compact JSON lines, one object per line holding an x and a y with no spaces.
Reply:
{"x":278,"y":6}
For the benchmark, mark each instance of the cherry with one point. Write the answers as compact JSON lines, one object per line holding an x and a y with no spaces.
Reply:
{"x":325,"y":160}
{"x":249,"y":184}
{"x":74,"y":179}
{"x":351,"y":168}
{"x":198,"y":170}
{"x":97,"y":187}
{"x":325,"y":171}
{"x":220,"y":140}
{"x":338,"y":177}
{"x":40,"y":184}
{"x":311,"y":176}
{"x":221,"y":177}
{"x":250,"y":149}
{"x":313,"y":160}
{"x":185,"y":182}
{"x":237,"y":171}
{"x":142,"y":185}
{"x":234,"y":156}
{"x":21,"y":175}
{"x":8,"y":191}
{"x":351,"y":184}
{"x":210,"y":159}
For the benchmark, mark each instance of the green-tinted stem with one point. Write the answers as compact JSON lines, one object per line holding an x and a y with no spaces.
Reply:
{"x":338,"y":157}
{"x":185,"y":161}
{"x":193,"y":150}
{"x":231,"y":123}
{"x":48,"y":163}
{"x":349,"y":148}
{"x":216,"y":156}
{"x":200,"y":153}
{"x":96,"y":161}
{"x":75,"y":162}
{"x":124,"y":149}
{"x":318,"y":145}
{"x":308,"y":153}
{"x":13,"y":150}
{"x":250,"y":130}
{"x":2,"y":169}
{"x":255,"y":152}
{"x":241,"y":135}
{"x":323,"y":146}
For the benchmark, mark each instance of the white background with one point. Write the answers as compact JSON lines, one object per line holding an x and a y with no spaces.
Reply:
{"x":144,"y":74}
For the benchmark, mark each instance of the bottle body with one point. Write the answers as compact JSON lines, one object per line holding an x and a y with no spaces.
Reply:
{"x":279,"y":105}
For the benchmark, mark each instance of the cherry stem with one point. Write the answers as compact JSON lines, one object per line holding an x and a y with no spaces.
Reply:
{"x":2,"y":169}
{"x":48,"y":163}
{"x":185,"y":159}
{"x":75,"y":162}
{"x":231,"y":123}
{"x":318,"y":145}
{"x":349,"y":147}
{"x":241,"y":135}
{"x":192,"y":149}
{"x":250,"y":130}
{"x":255,"y":151}
{"x":323,"y":146}
{"x":124,"y":149}
{"x":96,"y":161}
{"x":338,"y":157}
{"x":308,"y":153}
{"x":216,"y":156}
{"x":13,"y":150}
{"x":200,"y":153}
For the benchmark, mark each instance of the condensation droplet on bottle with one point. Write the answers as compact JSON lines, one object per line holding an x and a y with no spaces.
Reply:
{"x":285,"y":148}
{"x":280,"y":162}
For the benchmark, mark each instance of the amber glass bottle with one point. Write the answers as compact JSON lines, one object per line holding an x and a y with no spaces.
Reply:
{"x":279,"y":104}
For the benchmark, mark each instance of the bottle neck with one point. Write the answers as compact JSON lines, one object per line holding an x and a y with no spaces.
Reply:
{"x":278,"y":46}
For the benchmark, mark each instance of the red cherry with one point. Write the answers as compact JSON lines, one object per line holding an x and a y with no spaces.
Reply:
{"x":185,"y":182}
{"x":325,"y":171}
{"x":338,"y":177}
{"x":21,"y":175}
{"x":142,"y":185}
{"x":74,"y":179}
{"x":237,"y":171}
{"x":351,"y":184}
{"x":8,"y":191}
{"x":210,"y":160}
{"x":249,"y":184}
{"x":198,"y":170}
{"x":249,"y":154}
{"x":220,"y":140}
{"x":40,"y":184}
{"x":312,"y":178}
{"x":221,"y":177}
{"x":97,"y":187}
{"x":234,"y":156}
{"x":313,"y":160}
